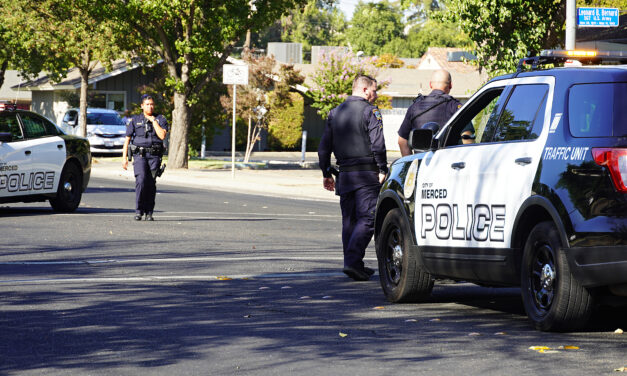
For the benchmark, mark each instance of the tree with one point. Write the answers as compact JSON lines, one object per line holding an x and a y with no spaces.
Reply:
{"x":316,"y":24}
{"x":373,"y":26}
{"x":333,"y":80}
{"x":431,"y":33}
{"x":254,"y":101}
{"x":507,"y":30}
{"x":64,"y":35}
{"x":194,"y":39}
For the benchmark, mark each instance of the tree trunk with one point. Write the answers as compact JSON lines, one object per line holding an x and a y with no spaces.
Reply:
{"x":177,"y":151}
{"x":3,"y":68}
{"x":83,"y":102}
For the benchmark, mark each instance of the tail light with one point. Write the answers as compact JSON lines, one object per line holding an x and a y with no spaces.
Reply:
{"x":616,"y":162}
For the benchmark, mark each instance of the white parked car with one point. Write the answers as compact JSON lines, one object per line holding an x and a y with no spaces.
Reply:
{"x":105,"y":129}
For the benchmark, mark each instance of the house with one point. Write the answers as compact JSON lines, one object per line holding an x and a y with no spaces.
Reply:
{"x":115,"y":89}
{"x":21,"y":98}
{"x":404,"y":86}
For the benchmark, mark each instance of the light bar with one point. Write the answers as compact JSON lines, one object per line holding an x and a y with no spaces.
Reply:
{"x":592,"y":54}
{"x":580,"y":53}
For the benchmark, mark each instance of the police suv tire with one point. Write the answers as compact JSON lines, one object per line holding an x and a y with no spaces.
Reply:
{"x":69,"y":191}
{"x":553,"y":299}
{"x":400,"y":273}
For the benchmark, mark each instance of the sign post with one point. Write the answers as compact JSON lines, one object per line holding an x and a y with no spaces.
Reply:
{"x":234,"y":75}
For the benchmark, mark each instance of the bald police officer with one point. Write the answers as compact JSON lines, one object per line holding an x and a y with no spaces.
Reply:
{"x":354,"y":133}
{"x":437,"y":107}
{"x":145,"y":134}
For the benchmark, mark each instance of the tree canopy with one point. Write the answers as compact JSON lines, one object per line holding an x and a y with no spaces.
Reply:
{"x":316,"y":24}
{"x":504,"y":31}
{"x":194,"y":39}
{"x":56,"y":35}
{"x":373,"y":26}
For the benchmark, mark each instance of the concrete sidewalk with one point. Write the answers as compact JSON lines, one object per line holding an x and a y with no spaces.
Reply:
{"x":304,"y":184}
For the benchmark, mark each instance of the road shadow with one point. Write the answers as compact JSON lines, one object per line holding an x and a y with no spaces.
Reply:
{"x":259,"y":326}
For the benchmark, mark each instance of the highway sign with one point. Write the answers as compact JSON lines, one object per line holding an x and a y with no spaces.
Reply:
{"x":597,"y":17}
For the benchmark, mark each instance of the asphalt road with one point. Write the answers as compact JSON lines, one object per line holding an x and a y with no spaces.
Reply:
{"x":225,"y":284}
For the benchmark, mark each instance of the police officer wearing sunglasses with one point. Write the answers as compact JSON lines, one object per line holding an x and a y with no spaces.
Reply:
{"x":144,"y":144}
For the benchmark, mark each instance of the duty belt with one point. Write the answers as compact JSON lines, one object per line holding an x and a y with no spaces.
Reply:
{"x":142,"y":150}
{"x":360,"y":167}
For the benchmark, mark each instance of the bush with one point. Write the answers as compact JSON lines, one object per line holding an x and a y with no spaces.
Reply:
{"x":285,"y":123}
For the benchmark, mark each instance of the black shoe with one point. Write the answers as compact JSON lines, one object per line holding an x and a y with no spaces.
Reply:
{"x":357,"y":275}
{"x":138,"y":217}
{"x":149,"y":217}
{"x":368,"y":271}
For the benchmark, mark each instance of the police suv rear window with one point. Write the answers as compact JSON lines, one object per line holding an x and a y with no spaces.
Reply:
{"x":598,"y":110}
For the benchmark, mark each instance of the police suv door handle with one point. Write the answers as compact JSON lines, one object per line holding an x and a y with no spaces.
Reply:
{"x":523,"y":161}
{"x":458,"y":165}
{"x":60,"y":146}
{"x":27,"y":152}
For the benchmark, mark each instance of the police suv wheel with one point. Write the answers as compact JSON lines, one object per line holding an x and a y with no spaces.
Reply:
{"x":553,"y":299}
{"x":69,"y":191}
{"x":400,"y":274}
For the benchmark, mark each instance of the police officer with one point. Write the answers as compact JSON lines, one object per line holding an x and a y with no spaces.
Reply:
{"x":437,"y":107}
{"x":354,"y":133}
{"x":145,"y":134}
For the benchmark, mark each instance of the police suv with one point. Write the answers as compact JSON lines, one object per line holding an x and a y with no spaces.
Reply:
{"x":539,"y":200}
{"x":38,"y":162}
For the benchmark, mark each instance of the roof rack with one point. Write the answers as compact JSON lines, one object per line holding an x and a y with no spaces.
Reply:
{"x":561,"y":56}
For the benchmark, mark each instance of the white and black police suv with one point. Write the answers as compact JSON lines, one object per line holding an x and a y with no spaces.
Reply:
{"x":38,"y":162}
{"x":538,"y":200}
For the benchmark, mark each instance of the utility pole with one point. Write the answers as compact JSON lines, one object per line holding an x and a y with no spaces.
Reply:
{"x":571,"y":23}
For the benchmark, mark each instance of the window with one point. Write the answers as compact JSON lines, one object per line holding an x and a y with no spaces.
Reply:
{"x":111,"y":101}
{"x":482,"y":114}
{"x":598,"y":110}
{"x":523,"y":116}
{"x":98,"y":118}
{"x":36,"y":126}
{"x":70,"y":116}
{"x":9,"y":124}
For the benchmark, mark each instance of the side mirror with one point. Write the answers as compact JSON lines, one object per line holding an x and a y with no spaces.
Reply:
{"x":6,"y":137}
{"x":71,"y":123}
{"x":421,"y":139}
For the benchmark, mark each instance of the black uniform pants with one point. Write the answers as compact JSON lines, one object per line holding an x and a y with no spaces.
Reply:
{"x":145,"y":187}
{"x":358,"y":207}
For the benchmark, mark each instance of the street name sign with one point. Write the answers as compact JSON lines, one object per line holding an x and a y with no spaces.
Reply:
{"x":597,"y":17}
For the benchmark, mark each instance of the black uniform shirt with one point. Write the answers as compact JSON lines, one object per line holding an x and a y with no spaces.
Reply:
{"x":137,"y":126}
{"x":374,"y":128}
{"x":445,"y":107}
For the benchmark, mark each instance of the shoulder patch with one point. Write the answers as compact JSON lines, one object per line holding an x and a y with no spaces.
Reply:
{"x":459,"y":106}
{"x":376,"y":113}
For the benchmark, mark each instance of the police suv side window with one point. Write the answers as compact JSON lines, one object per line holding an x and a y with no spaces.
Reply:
{"x":9,"y":124}
{"x":33,"y":126}
{"x":523,"y":115}
{"x":483,"y":114}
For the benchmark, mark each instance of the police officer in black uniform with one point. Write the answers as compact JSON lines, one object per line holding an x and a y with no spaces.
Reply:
{"x":144,"y":141}
{"x":436,"y":107}
{"x":354,"y":133}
